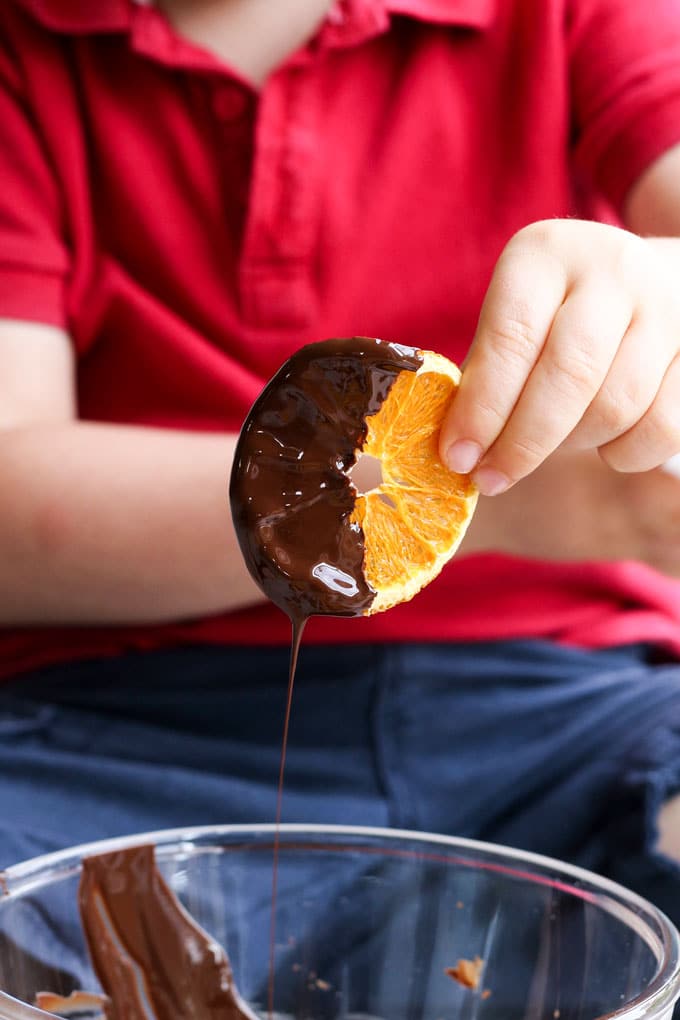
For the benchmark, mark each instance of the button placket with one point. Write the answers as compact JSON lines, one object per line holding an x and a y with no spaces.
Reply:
{"x":277,"y":253}
{"x":226,"y":107}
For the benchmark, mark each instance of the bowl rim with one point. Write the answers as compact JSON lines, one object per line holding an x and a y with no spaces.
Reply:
{"x":660,"y":995}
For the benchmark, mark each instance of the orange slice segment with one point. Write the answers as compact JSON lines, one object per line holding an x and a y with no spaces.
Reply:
{"x":414,"y":521}
{"x":389,"y":545}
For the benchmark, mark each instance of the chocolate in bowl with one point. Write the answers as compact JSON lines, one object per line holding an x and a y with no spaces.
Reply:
{"x":368,"y":922}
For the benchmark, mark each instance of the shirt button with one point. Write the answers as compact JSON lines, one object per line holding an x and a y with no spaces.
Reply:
{"x":229,"y":102}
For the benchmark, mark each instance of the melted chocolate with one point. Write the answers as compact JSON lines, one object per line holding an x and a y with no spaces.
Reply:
{"x":152,"y":959}
{"x":291,"y":498}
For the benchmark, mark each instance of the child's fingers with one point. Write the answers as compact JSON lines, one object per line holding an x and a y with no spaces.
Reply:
{"x":575,"y":339}
{"x":656,"y":436}
{"x":576,"y":358}
{"x":631,"y":385}
{"x":525,"y":292}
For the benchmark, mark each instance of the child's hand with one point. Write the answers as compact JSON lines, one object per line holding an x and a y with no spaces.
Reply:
{"x":578,"y":339}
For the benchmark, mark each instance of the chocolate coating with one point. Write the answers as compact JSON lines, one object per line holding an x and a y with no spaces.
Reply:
{"x":153,"y":961}
{"x":291,"y":498}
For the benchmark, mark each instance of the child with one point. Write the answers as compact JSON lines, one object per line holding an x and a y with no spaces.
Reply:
{"x":193,"y":189}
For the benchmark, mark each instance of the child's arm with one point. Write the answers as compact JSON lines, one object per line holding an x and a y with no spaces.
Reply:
{"x":105,"y":523}
{"x":575,"y":508}
{"x":578,"y":340}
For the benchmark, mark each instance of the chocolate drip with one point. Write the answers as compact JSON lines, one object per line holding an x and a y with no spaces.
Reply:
{"x":291,"y":498}
{"x":153,"y":960}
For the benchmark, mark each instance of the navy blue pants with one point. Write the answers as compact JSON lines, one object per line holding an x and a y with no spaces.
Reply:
{"x":561,"y":751}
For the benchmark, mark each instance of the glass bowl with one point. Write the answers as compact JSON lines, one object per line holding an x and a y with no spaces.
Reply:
{"x":368,"y":923}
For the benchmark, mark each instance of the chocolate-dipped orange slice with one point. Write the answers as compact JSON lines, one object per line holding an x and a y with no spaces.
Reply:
{"x":313,"y":543}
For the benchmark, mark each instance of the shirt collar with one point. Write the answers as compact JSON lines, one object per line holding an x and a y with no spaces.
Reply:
{"x":84,"y":16}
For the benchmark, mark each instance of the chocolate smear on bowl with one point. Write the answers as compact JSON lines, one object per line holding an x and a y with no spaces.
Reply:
{"x":152,"y":959}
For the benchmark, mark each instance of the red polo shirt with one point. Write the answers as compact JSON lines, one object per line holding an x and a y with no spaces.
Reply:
{"x":190,"y":233}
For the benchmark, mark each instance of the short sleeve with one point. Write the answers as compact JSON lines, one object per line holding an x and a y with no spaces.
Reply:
{"x":33,"y":256}
{"x":625,"y":82}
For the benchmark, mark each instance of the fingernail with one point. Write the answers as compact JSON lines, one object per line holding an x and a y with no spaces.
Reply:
{"x":490,"y":482}
{"x":462,"y":456}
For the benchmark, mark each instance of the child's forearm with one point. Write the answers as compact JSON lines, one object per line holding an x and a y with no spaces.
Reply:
{"x":653,"y":210}
{"x":652,"y":207}
{"x":576,"y":508}
{"x":114,"y":524}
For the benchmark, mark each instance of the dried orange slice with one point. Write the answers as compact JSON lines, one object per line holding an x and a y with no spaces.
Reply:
{"x":414,"y":521}
{"x":311,"y":540}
